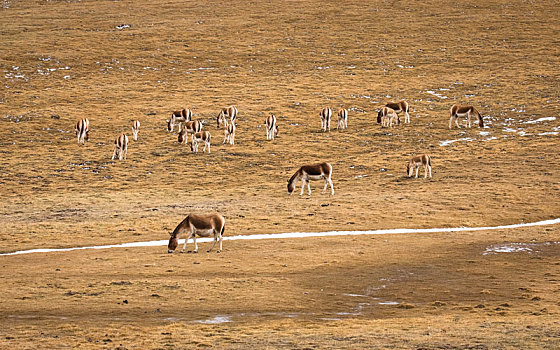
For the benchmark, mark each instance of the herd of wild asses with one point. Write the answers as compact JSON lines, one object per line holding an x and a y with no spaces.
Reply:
{"x":213,"y":225}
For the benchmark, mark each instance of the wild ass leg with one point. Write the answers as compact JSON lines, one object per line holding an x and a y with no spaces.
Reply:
{"x":430,"y":169}
{"x":302,"y":186}
{"x":326,"y":185}
{"x":332,"y":187}
{"x":308,"y":186}
{"x":417,"y":167}
{"x":195,"y":244}
{"x":426,"y":171}
{"x":189,"y":235}
{"x":114,"y":153}
{"x":406,"y":117}
{"x":214,"y":242}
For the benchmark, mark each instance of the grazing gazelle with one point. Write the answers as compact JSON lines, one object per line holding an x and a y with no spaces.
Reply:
{"x":82,"y":130}
{"x":189,"y":127}
{"x":135,"y":129}
{"x":386,"y":116}
{"x":198,"y":225}
{"x":417,"y":161}
{"x":326,"y":114}
{"x":398,"y":107}
{"x":121,"y":147}
{"x":457,"y":111}
{"x":229,"y":134}
{"x":197,"y":137}
{"x":271,"y":127}
{"x":226,"y":116}
{"x":311,"y":172}
{"x":342,"y":119}
{"x":178,"y":117}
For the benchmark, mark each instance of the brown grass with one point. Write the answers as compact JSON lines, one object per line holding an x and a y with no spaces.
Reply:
{"x":291,"y":59}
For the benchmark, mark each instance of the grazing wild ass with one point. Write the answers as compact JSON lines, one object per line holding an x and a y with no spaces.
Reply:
{"x":311,"y":172}
{"x":198,"y":225}
{"x":386,"y":116}
{"x":342,"y":119}
{"x":82,"y":130}
{"x":202,"y":136}
{"x":178,"y":117}
{"x":457,"y":111}
{"x":423,"y":160}
{"x":135,"y":129}
{"x":190,"y":127}
{"x":226,"y":116}
{"x":229,"y":133}
{"x":121,"y":147}
{"x":271,"y":127}
{"x":326,"y":114}
{"x":399,"y":107}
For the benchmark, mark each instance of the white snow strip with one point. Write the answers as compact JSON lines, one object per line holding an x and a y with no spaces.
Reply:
{"x":448,"y":142}
{"x":289,"y":235}
{"x":545,"y":119}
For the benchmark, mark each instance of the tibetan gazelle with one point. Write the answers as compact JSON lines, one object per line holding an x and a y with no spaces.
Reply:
{"x":121,"y":147}
{"x":229,"y":133}
{"x":82,"y":130}
{"x":135,"y":129}
{"x":342,"y":119}
{"x":321,"y":171}
{"x":271,"y":126}
{"x":326,"y":114}
{"x":226,"y":116}
{"x":423,"y":160}
{"x":457,"y":111}
{"x":198,"y":225}
{"x":386,"y":116}
{"x":399,"y":107}
{"x":198,"y":137}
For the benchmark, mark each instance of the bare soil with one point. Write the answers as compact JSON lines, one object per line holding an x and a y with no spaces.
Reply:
{"x":119,"y":61}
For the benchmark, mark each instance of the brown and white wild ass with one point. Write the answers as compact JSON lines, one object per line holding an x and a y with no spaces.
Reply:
{"x":82,"y":130}
{"x":457,"y":111}
{"x":326,"y":114}
{"x":135,"y":129}
{"x":121,"y":147}
{"x":198,"y":137}
{"x":423,"y":160}
{"x":311,"y":172}
{"x":386,"y":116}
{"x":178,"y":117}
{"x":342,"y":119}
{"x":198,"y":225}
{"x":226,"y":116}
{"x":271,"y":126}
{"x":189,"y":127}
{"x":399,"y":107}
{"x":229,"y":133}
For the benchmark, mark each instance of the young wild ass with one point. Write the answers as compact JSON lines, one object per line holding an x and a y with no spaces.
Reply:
{"x":178,"y":117}
{"x":82,"y":130}
{"x":202,"y":136}
{"x":311,"y":172}
{"x":326,"y":114}
{"x":226,"y":116}
{"x":135,"y":129}
{"x":457,"y":111}
{"x":342,"y":119}
{"x":271,"y":127}
{"x":229,"y":133}
{"x":198,"y":225}
{"x":423,"y":160}
{"x":399,"y":107}
{"x":190,"y":127}
{"x":121,"y":147}
{"x":386,"y":116}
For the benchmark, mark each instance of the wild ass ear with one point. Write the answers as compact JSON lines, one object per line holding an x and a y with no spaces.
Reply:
{"x":170,"y":233}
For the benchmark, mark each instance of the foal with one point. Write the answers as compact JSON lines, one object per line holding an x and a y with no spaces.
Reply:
{"x":135,"y":129}
{"x":271,"y":126}
{"x":342,"y":119}
{"x":311,"y":172}
{"x":423,"y":160}
{"x":229,"y":133}
{"x":201,"y":225}
{"x":457,"y":111}
{"x":121,"y":147}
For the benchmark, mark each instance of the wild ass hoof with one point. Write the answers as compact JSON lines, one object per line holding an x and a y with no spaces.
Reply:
{"x":218,"y":251}
{"x":169,"y":251}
